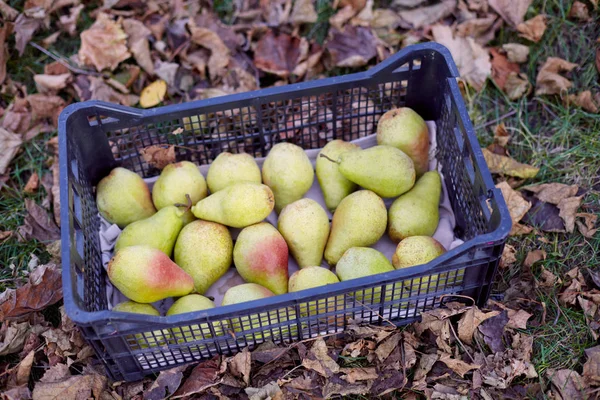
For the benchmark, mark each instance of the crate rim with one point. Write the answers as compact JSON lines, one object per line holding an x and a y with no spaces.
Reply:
{"x":86,"y":318}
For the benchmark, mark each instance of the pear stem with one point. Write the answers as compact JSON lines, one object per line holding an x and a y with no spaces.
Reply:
{"x":330,"y":159}
{"x":187,"y":206}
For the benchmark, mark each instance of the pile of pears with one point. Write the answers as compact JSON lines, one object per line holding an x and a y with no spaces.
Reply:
{"x":177,"y":239}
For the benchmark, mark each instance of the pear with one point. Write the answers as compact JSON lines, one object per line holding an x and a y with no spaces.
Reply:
{"x":333,"y":184}
{"x":311,"y":277}
{"x":123,"y":197}
{"x":229,"y":168}
{"x":416,"y":213}
{"x":288,"y":172}
{"x":304,"y":225}
{"x":404,"y":129}
{"x":359,"y":220}
{"x":204,"y":250}
{"x":146,"y":339}
{"x":238,"y":205}
{"x":385,"y":170}
{"x":417,"y":250}
{"x":158,"y":231}
{"x":260,"y":256}
{"x":358,"y":262}
{"x":146,"y":275}
{"x":175,"y":182}
{"x":187,"y":304}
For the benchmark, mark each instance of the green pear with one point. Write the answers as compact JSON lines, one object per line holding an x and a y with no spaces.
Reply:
{"x":311,"y":277}
{"x":175,"y":182}
{"x":288,"y":172}
{"x":417,"y":250}
{"x":204,"y":250}
{"x":416,"y":213}
{"x":146,"y":339}
{"x":123,"y":197}
{"x":238,"y":205}
{"x":191,"y":303}
{"x":304,"y":225}
{"x":333,"y":184}
{"x":385,"y":170}
{"x":158,"y":231}
{"x":229,"y":168}
{"x":145,"y":275}
{"x":249,"y":292}
{"x":260,"y":256}
{"x":359,"y":220}
{"x":358,"y":262}
{"x":404,"y":129}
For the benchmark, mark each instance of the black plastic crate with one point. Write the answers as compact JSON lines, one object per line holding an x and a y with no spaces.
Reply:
{"x":95,"y":137}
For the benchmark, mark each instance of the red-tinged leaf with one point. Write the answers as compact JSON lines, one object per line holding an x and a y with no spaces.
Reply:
{"x":280,"y":53}
{"x":501,"y":68}
{"x":203,"y":376}
{"x":353,"y":47}
{"x":5,"y":31}
{"x":37,"y":225}
{"x":43,"y":289}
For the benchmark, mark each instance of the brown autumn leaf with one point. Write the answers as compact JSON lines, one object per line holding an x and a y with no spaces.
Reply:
{"x":517,"y":86}
{"x":43,"y":289}
{"x":568,"y":209}
{"x":549,"y":81}
{"x":24,"y":28}
{"x":421,"y":17}
{"x":501,"y":68}
{"x":470,"y":321}
{"x":37,"y":224}
{"x":567,"y":384}
{"x":517,"y":319}
{"x":339,"y":19}
{"x":517,"y":205}
{"x":515,"y":52}
{"x":512,"y":11}
{"x":548,"y":279}
{"x":202,"y":377}
{"x":78,"y":387}
{"x":481,"y":29}
{"x":508,"y":166}
{"x":17,"y":393}
{"x":5,"y":235}
{"x":24,"y":368}
{"x":56,"y":373}
{"x":579,"y":11}
{"x":387,"y":346}
{"x":96,"y":88}
{"x":353,"y":375}
{"x":493,"y":331}
{"x":32,"y":183}
{"x":587,"y":228}
{"x":240,"y":365}
{"x":458,"y":366}
{"x":8,"y":12}
{"x":591,"y":368}
{"x":534,"y":256}
{"x":552,"y":193}
{"x":49,"y":84}
{"x":352,"y":47}
{"x":318,"y":360}
{"x":355,"y":4}
{"x":280,"y":53}
{"x":10,"y":144}
{"x":219,"y":52}
{"x":303,"y":12}
{"x":508,"y":256}
{"x":46,"y":106}
{"x":5,"y":32}
{"x":104,"y":44}
{"x":425,"y":364}
{"x":584,"y":100}
{"x":137,"y":40}
{"x":68,"y":23}
{"x":17,"y":116}
{"x":14,"y":334}
{"x":158,"y":156}
{"x":165,"y":385}
{"x":533,"y":29}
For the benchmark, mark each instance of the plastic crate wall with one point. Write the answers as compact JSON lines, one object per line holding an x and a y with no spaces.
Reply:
{"x":96,"y":137}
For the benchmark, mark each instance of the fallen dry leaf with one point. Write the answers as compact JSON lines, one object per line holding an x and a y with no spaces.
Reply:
{"x":280,"y":54}
{"x":425,"y":364}
{"x":68,"y":23}
{"x":158,"y":156}
{"x":219,"y":52}
{"x":303,"y":12}
{"x":104,"y":44}
{"x":339,"y":19}
{"x":584,"y":100}
{"x":568,"y":384}
{"x":353,"y":47}
{"x":548,"y":279}
{"x":14,"y":335}
{"x":423,"y":16}
{"x":517,"y":86}
{"x":481,"y":29}
{"x":5,"y":235}
{"x":203,"y":376}
{"x":46,"y":106}
{"x":458,"y":366}
{"x":165,"y":385}
{"x":17,"y":116}
{"x":587,"y":228}
{"x":512,"y":11}
{"x":568,"y":209}
{"x":515,"y":52}
{"x":5,"y":31}
{"x":7,"y":11}
{"x":387,"y":346}
{"x":37,"y":224}
{"x":56,"y":373}
{"x":508,"y":166}
{"x":240,"y":365}
{"x":470,"y":321}
{"x":32,"y":183}
{"x":137,"y":40}
{"x":591,"y":368}
{"x":533,"y":29}
{"x":24,"y":28}
{"x":493,"y":331}
{"x":552,"y":193}
{"x":508,"y":256}
{"x":549,"y":81}
{"x":24,"y":368}
{"x":49,"y":84}
{"x":502,"y":68}
{"x":10,"y":144}
{"x":17,"y":393}
{"x":43,"y":289}
{"x":319,"y":360}
{"x":153,"y":94}
{"x":472,"y":60}
{"x":74,"y":387}
{"x":533,"y":257}
{"x":579,"y":11}
{"x":517,"y":205}
{"x":517,"y":319}
{"x":353,"y":375}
